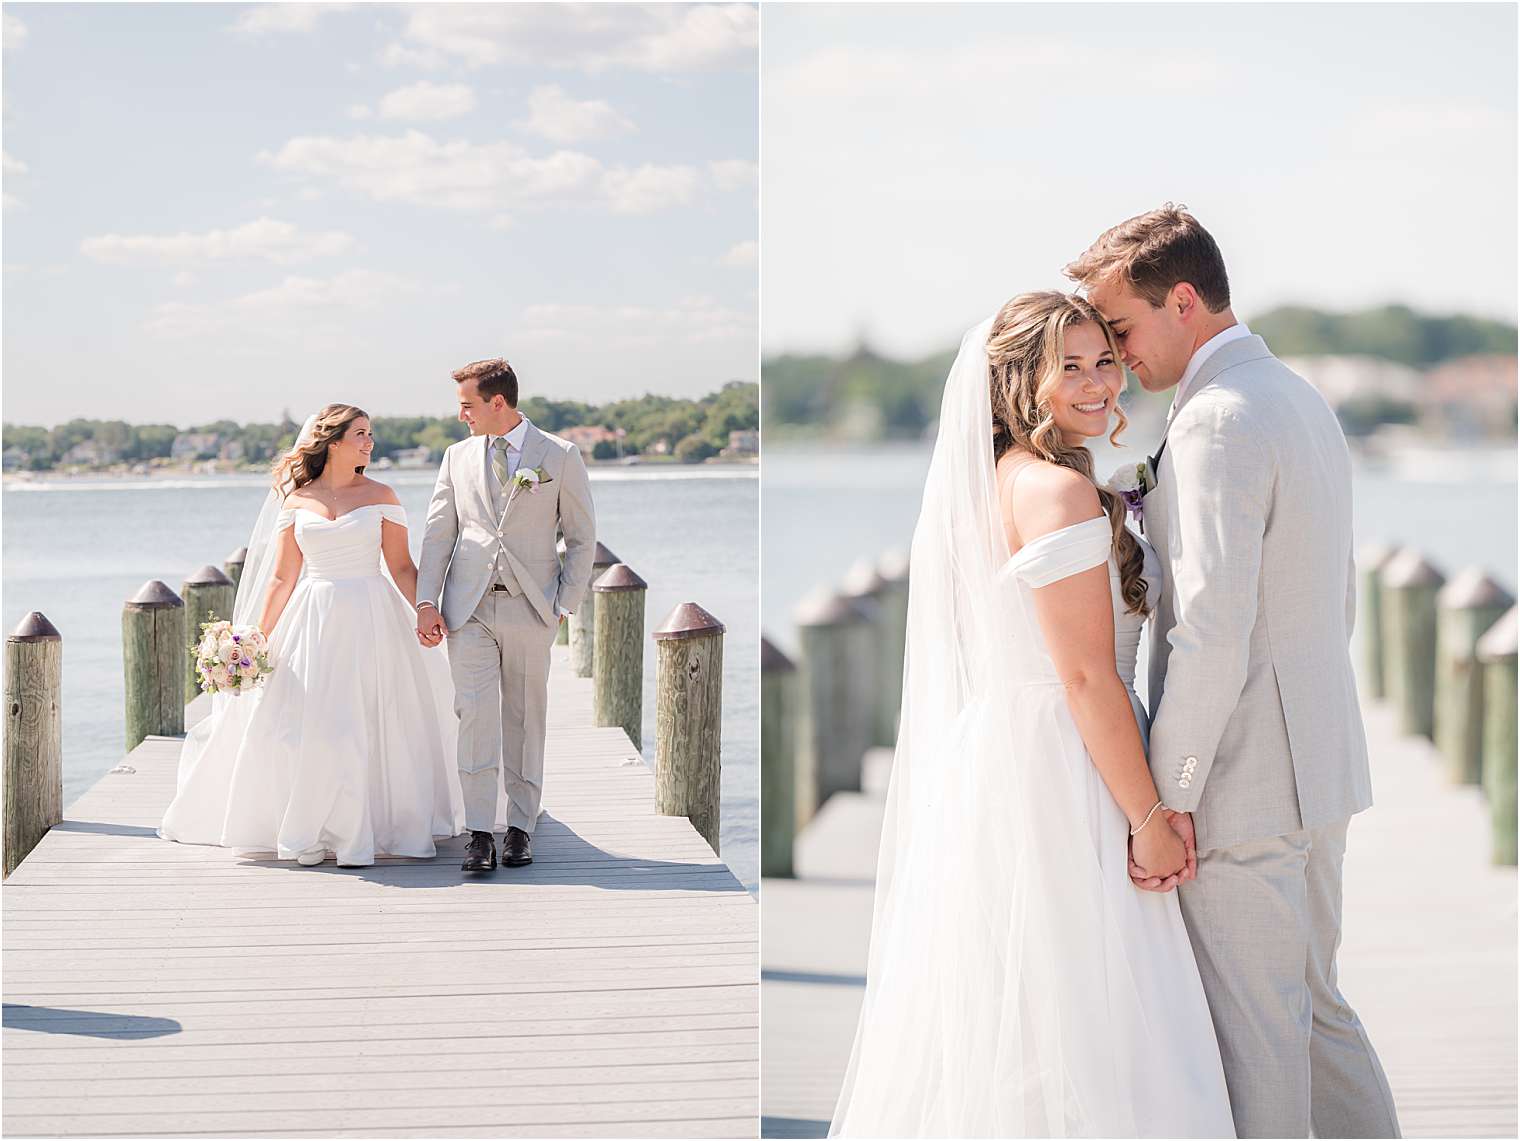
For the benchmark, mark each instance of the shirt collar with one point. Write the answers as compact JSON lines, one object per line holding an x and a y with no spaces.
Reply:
{"x":514,"y":437}
{"x":1204,"y":351}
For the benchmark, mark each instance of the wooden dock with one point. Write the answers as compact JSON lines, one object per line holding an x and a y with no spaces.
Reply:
{"x":1428,"y":957}
{"x":608,"y":990}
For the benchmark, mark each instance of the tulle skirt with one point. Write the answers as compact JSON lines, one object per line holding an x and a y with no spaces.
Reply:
{"x":1019,"y":984}
{"x":349,"y":746}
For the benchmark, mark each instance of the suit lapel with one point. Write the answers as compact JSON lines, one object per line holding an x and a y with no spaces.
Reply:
{"x":1236,"y":352}
{"x":534,"y":448}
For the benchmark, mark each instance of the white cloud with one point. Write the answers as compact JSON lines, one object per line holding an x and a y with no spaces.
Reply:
{"x":295,"y":300}
{"x":689,"y":320}
{"x":734,"y":173}
{"x":501,"y":222}
{"x":14,"y":32}
{"x":743,"y":255}
{"x":359,"y":111}
{"x":648,"y":188}
{"x":274,"y":19}
{"x":184,"y":279}
{"x":493,"y":178}
{"x":459,"y":175}
{"x":662,"y":38}
{"x":428,"y":101}
{"x":556,"y":116}
{"x":11,"y":165}
{"x":278,"y":242}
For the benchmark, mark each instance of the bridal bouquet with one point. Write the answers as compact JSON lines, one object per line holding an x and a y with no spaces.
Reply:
{"x":231,"y":659}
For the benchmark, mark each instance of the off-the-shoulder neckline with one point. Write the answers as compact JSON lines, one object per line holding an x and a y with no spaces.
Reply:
{"x":345,"y":514}
{"x":1046,"y":539}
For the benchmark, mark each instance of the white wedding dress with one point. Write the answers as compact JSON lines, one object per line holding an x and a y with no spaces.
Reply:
{"x":1018,"y":985}
{"x":349,"y":746}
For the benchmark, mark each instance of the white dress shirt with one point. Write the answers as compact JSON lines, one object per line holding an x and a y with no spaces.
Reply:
{"x":514,"y":440}
{"x":1202,"y":353}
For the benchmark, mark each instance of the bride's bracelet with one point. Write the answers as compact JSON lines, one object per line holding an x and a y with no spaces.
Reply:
{"x":1136,"y":829}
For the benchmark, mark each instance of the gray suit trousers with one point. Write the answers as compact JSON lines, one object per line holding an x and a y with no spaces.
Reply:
{"x":500,"y":662}
{"x":1264,"y":918}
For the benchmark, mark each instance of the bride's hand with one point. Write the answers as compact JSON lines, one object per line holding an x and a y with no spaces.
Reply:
{"x":1158,"y":850}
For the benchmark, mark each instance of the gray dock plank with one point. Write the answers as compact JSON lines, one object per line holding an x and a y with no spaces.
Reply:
{"x":1428,"y":955}
{"x":609,"y":989}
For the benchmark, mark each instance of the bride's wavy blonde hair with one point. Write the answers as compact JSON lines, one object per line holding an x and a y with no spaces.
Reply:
{"x":306,"y":461}
{"x":1024,"y":354}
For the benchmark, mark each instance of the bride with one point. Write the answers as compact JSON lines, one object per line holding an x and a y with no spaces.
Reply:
{"x":349,"y":746}
{"x":1019,"y":984}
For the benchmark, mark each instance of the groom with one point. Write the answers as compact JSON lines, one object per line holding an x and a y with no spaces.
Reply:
{"x":491,"y":578}
{"x":1256,"y":740}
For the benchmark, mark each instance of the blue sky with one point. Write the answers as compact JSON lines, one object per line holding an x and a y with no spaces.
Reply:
{"x":921,"y":164}
{"x":226,"y":210}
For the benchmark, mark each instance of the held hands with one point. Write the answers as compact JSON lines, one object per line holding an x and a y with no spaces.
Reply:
{"x":430,"y":628}
{"x":1164,"y":853}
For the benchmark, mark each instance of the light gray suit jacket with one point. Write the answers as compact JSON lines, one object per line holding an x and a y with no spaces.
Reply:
{"x":1255,"y":723}
{"x":468,"y":542}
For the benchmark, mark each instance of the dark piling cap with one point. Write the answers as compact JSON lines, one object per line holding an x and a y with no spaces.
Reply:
{"x":863,"y":581}
{"x":1499,"y":642}
{"x":824,"y":608}
{"x":893,"y":566}
{"x":620,"y":576}
{"x":603,"y":557}
{"x":36,"y":628}
{"x":154,"y":595}
{"x":772,"y":660}
{"x":1472,"y":589}
{"x":688,"y":620}
{"x":208,"y":575}
{"x":1410,"y":568}
{"x":238,"y":556}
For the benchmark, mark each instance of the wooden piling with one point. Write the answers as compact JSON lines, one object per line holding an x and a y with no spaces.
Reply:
{"x":778,"y":773}
{"x":208,"y":595}
{"x":863,"y":584}
{"x":1409,"y":586}
{"x":155,"y":650}
{"x":1465,"y":609}
{"x":894,"y":620}
{"x":1496,"y":651}
{"x":1370,"y":561}
{"x":33,"y":735}
{"x":618,"y":660}
{"x":688,"y":718}
{"x":582,"y":623}
{"x":233,"y":567}
{"x":834,"y":689}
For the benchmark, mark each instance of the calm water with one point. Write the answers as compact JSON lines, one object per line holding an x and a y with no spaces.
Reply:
{"x":77,"y":550}
{"x":825,"y":509}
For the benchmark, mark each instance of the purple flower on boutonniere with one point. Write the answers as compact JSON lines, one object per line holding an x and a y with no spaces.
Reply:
{"x":1132,"y":483}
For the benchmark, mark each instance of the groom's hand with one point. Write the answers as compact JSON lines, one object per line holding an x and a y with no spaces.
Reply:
{"x":1182,"y":824}
{"x":429,"y":626}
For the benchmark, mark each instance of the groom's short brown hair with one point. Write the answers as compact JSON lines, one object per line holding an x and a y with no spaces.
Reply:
{"x":492,"y":378}
{"x":1153,"y":252}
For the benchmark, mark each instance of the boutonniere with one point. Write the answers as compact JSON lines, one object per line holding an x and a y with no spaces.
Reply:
{"x":530,"y":478}
{"x":1132,"y":483}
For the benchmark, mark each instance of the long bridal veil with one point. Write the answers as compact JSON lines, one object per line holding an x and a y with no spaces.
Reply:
{"x":979,"y":1016}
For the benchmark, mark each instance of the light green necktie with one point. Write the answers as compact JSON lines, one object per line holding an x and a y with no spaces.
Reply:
{"x":499,"y":461}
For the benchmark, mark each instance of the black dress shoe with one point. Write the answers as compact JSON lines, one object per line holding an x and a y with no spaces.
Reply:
{"x":517,"y":848}
{"x":480,"y":856}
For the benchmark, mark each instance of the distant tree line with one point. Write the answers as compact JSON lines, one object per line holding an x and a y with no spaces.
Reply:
{"x":688,"y":429}
{"x":867,"y":396}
